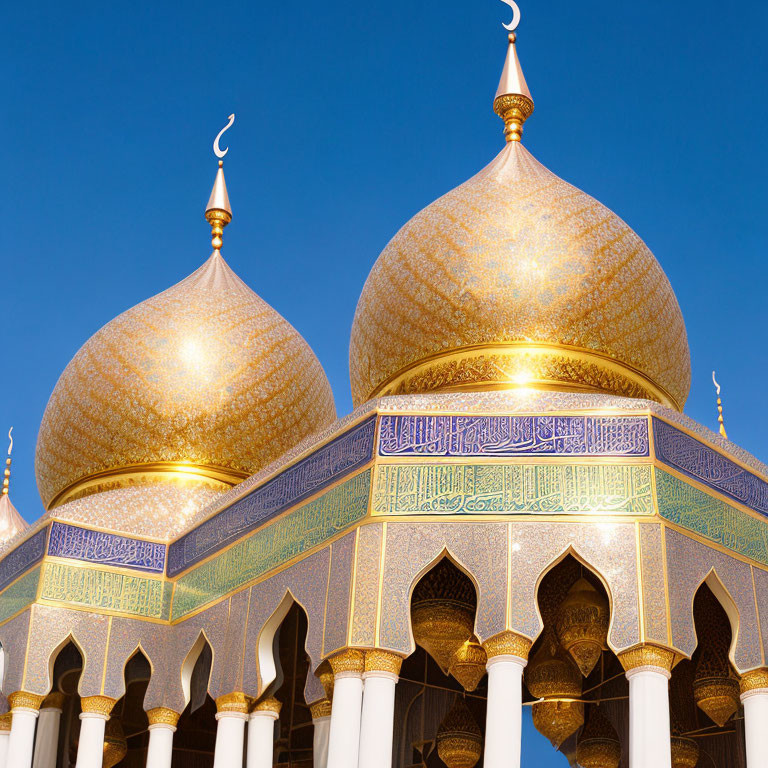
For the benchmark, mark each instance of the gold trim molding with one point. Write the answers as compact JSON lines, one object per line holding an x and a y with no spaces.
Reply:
{"x":508,"y":644}
{"x":270,"y":704}
{"x":350,"y":660}
{"x":5,"y":721}
{"x":177,"y":472}
{"x":24,"y":700}
{"x":752,"y":681}
{"x":233,"y":702}
{"x":97,"y":705}
{"x":320,"y":709}
{"x":647,"y":656}
{"x":552,"y":367}
{"x":383,"y":661}
{"x":54,"y":700}
{"x":163,"y":716}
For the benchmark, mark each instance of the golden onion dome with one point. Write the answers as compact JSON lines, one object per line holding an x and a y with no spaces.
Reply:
{"x":516,"y":278}
{"x":202,"y":384}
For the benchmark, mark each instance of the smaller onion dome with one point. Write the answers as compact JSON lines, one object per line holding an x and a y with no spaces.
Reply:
{"x":202,"y":384}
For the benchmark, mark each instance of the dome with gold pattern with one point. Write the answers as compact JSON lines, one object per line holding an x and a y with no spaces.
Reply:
{"x":203,"y":383}
{"x":517,"y":278}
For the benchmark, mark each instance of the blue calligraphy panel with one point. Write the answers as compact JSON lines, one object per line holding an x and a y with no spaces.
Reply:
{"x":330,"y":463}
{"x":22,"y":557}
{"x":513,"y":436}
{"x":105,"y":548}
{"x":700,"y":462}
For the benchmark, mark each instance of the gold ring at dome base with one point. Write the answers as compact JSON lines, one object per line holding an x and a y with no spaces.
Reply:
{"x":551,"y":367}
{"x":176,"y":472}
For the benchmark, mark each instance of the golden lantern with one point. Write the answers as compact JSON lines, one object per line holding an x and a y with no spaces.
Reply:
{"x":685,"y":752}
{"x":552,"y":676}
{"x":582,"y":624}
{"x":598,"y":745}
{"x":717,"y":697}
{"x":468,"y":664}
{"x":459,"y":739}
{"x":115,"y":744}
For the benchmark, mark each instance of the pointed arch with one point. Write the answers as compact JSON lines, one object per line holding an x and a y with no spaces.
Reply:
{"x":54,"y":655}
{"x":445,"y":554}
{"x":189,"y":663}
{"x":726,"y":602}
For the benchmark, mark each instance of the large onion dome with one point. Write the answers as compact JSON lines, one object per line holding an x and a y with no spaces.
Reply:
{"x":517,"y":278}
{"x":204,"y":383}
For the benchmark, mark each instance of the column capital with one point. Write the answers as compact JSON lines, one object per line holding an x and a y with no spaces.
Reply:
{"x":653,"y":656}
{"x":97,"y":706}
{"x":163,"y":716}
{"x":267,"y":707}
{"x":320,"y":709}
{"x":232,"y":703}
{"x":378,"y":661}
{"x":26,"y":701}
{"x":5,"y":722}
{"x":349,"y":662}
{"x":54,"y":700}
{"x":508,"y":644}
{"x":754,"y":681}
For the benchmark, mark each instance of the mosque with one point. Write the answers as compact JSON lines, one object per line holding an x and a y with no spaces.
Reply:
{"x":516,"y":514}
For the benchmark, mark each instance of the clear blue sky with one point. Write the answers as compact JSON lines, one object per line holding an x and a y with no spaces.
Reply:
{"x":350,"y":118}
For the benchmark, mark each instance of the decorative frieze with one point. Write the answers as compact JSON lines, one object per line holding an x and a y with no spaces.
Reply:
{"x":508,"y":644}
{"x":513,"y":436}
{"x":163,"y":716}
{"x":22,"y":557}
{"x":647,"y":656}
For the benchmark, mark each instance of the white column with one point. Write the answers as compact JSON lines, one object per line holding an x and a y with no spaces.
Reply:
{"x":24,"y":710}
{"x":47,"y":740}
{"x":90,"y":750}
{"x":162,"y":726}
{"x":4,"y":737}
{"x":230,"y":732}
{"x":377,"y":724}
{"x":649,"y":736}
{"x":504,"y":716}
{"x":344,"y":737}
{"x":261,"y":733}
{"x":756,"y":726}
{"x":321,"y":723}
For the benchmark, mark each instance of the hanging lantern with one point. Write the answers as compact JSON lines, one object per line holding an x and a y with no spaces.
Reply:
{"x":551,"y":675}
{"x":582,"y":625}
{"x":598,"y":745}
{"x":685,"y":752}
{"x":115,"y":744}
{"x":459,"y":739}
{"x":468,"y":664}
{"x":717,"y":697}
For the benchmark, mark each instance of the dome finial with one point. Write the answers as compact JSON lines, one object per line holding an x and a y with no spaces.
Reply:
{"x":218,"y":212}
{"x":7,"y":473}
{"x":720,"y":419}
{"x":513,"y":102}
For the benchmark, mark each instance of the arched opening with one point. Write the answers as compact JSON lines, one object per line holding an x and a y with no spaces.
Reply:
{"x":705,"y":711}
{"x":442,"y":689}
{"x":195,"y":738}
{"x":577,"y":696}
{"x":66,"y":666}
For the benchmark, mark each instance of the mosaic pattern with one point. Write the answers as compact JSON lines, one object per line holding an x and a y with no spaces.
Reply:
{"x":712,"y":518}
{"x":513,"y":436}
{"x":205,"y":372}
{"x":699,"y":462}
{"x":518,"y":488}
{"x":19,"y":595}
{"x":365,"y":601}
{"x":105,"y":548}
{"x":515,"y":254}
{"x":654,"y":593}
{"x":94,"y":588}
{"x":336,"y":625}
{"x":274,"y":545}
{"x":332,"y":462}
{"x":22,"y":557}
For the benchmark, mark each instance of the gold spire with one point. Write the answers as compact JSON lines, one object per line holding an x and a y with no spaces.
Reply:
{"x":7,"y":473}
{"x":720,"y":419}
{"x":513,"y":102}
{"x":218,"y":212}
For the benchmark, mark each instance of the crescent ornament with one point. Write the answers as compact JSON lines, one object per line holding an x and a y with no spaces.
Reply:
{"x":512,"y":26}
{"x":714,"y":381}
{"x":10,"y":437}
{"x":216,"y":149}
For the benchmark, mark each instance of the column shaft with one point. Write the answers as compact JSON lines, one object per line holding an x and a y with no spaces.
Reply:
{"x":47,"y":741}
{"x":504,"y":717}
{"x":160,"y":749}
{"x":22,"y":738}
{"x":261,"y":739}
{"x":377,"y":720}
{"x":649,"y":736}
{"x":756,"y":726}
{"x":230,"y":738}
{"x":322,"y":726}
{"x":344,"y":737}
{"x":4,"y":737}
{"x":90,"y":750}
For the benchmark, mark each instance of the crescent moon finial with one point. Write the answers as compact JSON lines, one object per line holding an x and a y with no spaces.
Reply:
{"x":10,"y":437}
{"x":513,"y":25}
{"x":216,"y":149}
{"x":714,"y":381}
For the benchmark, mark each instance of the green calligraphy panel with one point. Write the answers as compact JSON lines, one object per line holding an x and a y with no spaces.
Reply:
{"x":96,"y":588}
{"x":712,"y":518}
{"x":403,"y":489}
{"x":275,"y":544}
{"x":19,"y":595}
